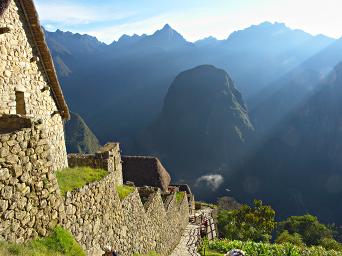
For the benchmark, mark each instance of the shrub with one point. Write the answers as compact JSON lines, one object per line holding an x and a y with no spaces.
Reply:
{"x":308,"y":226}
{"x":285,"y":237}
{"x":330,"y":244}
{"x":220,"y":247}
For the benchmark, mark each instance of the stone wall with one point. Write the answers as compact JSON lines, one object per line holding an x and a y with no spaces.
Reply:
{"x":101,"y":222}
{"x":24,"y":84}
{"x":30,"y":201}
{"x":108,"y":158}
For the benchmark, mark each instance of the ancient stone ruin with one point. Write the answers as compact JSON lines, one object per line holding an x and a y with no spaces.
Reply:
{"x":32,"y":150}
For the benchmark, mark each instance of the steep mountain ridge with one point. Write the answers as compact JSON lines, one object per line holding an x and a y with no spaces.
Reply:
{"x":204,"y":123}
{"x":78,"y":137}
{"x":298,"y":165}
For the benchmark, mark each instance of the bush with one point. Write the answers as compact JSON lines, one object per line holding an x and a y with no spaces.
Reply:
{"x":308,"y":226}
{"x":220,"y":247}
{"x":285,"y":237}
{"x":247,"y":223}
{"x":330,"y":244}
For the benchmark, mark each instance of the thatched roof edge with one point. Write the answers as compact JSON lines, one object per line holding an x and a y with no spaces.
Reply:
{"x":32,"y":18}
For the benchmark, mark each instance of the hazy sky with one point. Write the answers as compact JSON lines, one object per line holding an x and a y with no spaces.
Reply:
{"x":194,"y":19}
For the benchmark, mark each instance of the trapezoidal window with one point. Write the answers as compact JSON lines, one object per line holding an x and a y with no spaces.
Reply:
{"x":20,"y":103}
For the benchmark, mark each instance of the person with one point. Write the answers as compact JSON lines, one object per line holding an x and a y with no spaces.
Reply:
{"x":235,"y":252}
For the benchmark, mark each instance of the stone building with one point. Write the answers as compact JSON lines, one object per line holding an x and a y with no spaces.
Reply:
{"x":29,"y":87}
{"x":145,"y":171}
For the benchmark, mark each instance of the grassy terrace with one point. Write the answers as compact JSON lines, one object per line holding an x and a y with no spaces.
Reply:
{"x":124,"y":191}
{"x":70,"y":179}
{"x":179,"y":196}
{"x":59,"y":243}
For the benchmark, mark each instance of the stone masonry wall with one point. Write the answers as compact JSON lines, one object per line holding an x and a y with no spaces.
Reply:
{"x":101,"y":222}
{"x":20,"y":72}
{"x":30,"y":201}
{"x":108,"y":158}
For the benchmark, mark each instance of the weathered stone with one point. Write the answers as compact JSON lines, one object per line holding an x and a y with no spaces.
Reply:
{"x":3,"y":205}
{"x":4,"y":152}
{"x":4,"y":174}
{"x":7,"y":192}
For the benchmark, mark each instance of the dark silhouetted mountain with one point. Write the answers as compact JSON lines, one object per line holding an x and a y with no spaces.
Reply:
{"x":79,"y":138}
{"x":298,"y":166}
{"x":292,"y":89}
{"x":204,"y":124}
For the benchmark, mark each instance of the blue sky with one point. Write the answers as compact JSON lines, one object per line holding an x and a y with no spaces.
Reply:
{"x":194,"y":19}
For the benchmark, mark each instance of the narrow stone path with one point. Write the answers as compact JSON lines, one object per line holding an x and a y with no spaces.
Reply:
{"x":188,"y":243}
{"x":190,"y":238}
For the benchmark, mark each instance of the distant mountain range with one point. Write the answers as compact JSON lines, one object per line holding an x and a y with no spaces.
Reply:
{"x":257,"y":115}
{"x":128,"y":80}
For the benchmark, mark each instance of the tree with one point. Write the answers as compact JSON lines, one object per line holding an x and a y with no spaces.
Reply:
{"x":247,"y":223}
{"x":308,"y":226}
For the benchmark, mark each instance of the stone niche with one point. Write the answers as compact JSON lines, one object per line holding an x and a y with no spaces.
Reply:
{"x":13,"y":123}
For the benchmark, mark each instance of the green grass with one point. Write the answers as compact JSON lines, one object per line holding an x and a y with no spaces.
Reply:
{"x":220,"y":247}
{"x":70,"y":179}
{"x":124,"y":191}
{"x":179,"y":196}
{"x":60,"y":243}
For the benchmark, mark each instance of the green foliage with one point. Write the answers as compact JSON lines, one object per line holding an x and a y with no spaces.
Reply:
{"x":220,"y":247}
{"x":308,"y":226}
{"x":70,"y":179}
{"x":285,"y":237}
{"x":179,"y":196}
{"x":247,"y":223}
{"x":330,"y":244}
{"x":124,"y":191}
{"x":61,"y":242}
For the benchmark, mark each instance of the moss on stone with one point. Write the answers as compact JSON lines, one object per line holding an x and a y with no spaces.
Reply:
{"x":124,"y":191}
{"x":59,"y":243}
{"x":70,"y":179}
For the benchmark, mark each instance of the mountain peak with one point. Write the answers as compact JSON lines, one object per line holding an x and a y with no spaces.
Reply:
{"x":167,"y":27}
{"x":166,"y":38}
